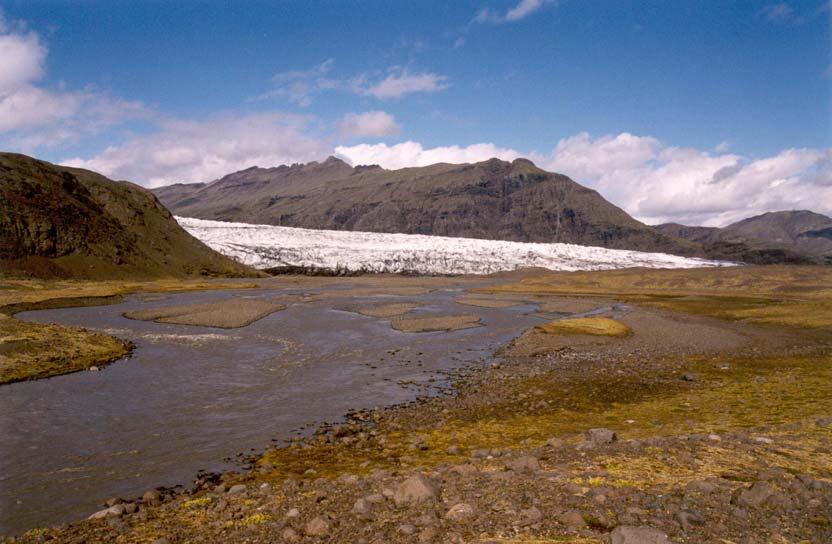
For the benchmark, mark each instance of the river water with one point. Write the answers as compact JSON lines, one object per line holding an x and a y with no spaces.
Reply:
{"x":192,"y":398}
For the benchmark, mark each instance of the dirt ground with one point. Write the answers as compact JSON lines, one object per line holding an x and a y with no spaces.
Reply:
{"x":711,"y":422}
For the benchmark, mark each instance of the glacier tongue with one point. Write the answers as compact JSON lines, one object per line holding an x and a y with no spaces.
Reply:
{"x":266,"y":246}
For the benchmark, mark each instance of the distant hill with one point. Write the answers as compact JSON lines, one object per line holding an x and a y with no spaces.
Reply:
{"x":71,"y":223}
{"x":787,"y":236}
{"x":494,"y":199}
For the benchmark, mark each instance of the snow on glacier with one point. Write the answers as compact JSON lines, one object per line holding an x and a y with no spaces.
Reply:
{"x":267,"y":246}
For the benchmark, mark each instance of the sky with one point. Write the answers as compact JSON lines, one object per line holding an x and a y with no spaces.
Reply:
{"x":697,"y":112}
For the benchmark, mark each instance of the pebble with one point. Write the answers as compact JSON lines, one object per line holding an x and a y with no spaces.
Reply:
{"x":152,"y":498}
{"x":290,"y":535}
{"x":292,"y":513}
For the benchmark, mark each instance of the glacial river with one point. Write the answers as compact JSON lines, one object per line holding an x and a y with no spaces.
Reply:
{"x":192,"y":398}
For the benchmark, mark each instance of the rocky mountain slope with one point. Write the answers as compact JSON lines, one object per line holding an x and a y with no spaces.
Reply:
{"x":787,"y":236}
{"x":71,"y":223}
{"x":494,"y":199}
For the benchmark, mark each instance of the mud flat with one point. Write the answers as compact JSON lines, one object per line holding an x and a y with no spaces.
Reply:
{"x":435,"y":323}
{"x":226,"y":314}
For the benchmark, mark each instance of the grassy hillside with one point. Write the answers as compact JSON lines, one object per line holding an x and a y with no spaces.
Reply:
{"x":59,"y":222}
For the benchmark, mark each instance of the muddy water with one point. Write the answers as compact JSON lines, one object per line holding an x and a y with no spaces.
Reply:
{"x":192,"y":398}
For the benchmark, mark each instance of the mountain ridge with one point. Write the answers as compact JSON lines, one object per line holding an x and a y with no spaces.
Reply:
{"x":492,"y":199}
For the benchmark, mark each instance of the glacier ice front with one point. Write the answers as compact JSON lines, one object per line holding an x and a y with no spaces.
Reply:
{"x":267,"y":246}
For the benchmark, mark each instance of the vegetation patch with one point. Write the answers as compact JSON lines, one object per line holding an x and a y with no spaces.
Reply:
{"x":594,"y":326}
{"x":226,"y":314}
{"x":34,"y":350}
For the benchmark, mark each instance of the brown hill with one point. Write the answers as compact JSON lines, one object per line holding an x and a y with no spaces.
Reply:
{"x":800,"y":236}
{"x":65,"y":222}
{"x":493,"y":199}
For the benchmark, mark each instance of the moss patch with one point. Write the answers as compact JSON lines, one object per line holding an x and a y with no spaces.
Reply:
{"x":595,"y":326}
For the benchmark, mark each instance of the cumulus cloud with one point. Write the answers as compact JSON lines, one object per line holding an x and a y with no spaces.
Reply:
{"x":33,"y":115}
{"x":411,"y":153}
{"x":522,"y":10}
{"x":299,"y":86}
{"x":368,"y":125}
{"x":187,"y":151}
{"x":658,"y":183}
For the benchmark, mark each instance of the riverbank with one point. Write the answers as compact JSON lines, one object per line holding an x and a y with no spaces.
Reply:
{"x":697,"y":428}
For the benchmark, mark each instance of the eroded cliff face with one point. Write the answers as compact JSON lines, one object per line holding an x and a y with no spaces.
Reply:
{"x":493,"y":199}
{"x":58,"y":221}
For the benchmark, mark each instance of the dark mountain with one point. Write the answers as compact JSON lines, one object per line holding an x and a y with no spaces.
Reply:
{"x":493,"y":199}
{"x":71,"y":223}
{"x":787,"y":236}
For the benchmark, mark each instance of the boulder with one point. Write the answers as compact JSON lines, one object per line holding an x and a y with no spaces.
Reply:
{"x":414,"y":490}
{"x":600,"y":437}
{"x":525,"y":464}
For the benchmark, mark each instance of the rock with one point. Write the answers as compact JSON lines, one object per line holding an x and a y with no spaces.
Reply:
{"x":101,"y":514}
{"x":237,"y":489}
{"x":318,"y":526}
{"x":407,"y":529}
{"x":688,"y":378}
{"x":530,"y":516}
{"x":824,"y":422}
{"x":152,"y":498}
{"x":293,"y":513}
{"x":161,"y":541}
{"x":460,"y":512}
{"x":375,"y":498}
{"x":290,"y":535}
{"x":453,"y":449}
{"x":554,"y":443}
{"x":361,"y":507}
{"x":481,"y":453}
{"x":703,"y":487}
{"x":113,"y":501}
{"x":130,"y":508}
{"x":414,"y":490}
{"x":627,"y":534}
{"x":573,"y":519}
{"x":763,"y":440}
{"x":755,"y":495}
{"x":599,"y":437}
{"x":465,"y":469}
{"x":428,"y":534}
{"x":94,"y":369}
{"x":525,"y":464}
{"x":688,"y":519}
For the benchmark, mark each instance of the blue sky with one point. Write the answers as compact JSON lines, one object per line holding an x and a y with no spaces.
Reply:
{"x":697,"y":111}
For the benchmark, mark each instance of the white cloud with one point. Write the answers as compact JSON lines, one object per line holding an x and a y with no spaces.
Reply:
{"x":777,"y":12}
{"x":368,"y":124}
{"x":32,"y":115}
{"x":658,"y":183}
{"x":522,"y":10}
{"x":300,"y":86}
{"x":459,"y":42}
{"x":399,"y":84}
{"x":205,"y":150}
{"x":411,"y":153}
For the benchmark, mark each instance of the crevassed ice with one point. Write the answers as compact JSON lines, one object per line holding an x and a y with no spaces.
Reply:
{"x":267,"y":246}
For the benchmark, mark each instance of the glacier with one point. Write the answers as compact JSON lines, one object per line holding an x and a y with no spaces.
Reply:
{"x":268,"y":246}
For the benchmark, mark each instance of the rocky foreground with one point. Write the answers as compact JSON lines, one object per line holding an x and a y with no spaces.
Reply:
{"x":688,"y":430}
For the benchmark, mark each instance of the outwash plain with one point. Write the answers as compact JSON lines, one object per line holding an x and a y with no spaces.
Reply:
{"x":647,"y":406}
